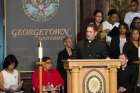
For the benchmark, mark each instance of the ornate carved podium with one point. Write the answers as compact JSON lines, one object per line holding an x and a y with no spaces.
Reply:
{"x":92,"y":76}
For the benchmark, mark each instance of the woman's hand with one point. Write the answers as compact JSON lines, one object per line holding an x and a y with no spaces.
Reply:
{"x":9,"y":90}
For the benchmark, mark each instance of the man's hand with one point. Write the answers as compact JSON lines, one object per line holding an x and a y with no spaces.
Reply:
{"x":121,"y":89}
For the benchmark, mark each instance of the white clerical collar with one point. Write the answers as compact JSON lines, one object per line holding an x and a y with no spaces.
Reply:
{"x":124,"y":66}
{"x":89,"y":41}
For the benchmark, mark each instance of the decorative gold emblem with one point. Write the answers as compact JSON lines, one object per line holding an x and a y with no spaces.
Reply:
{"x":94,"y":84}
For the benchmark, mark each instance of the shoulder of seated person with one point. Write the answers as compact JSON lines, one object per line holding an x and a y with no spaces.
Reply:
{"x":61,"y":52}
{"x":100,"y":42}
{"x":16,"y":70}
{"x":131,"y":66}
{"x":53,"y":69}
{"x":117,"y":23}
{"x":129,"y":12}
{"x":105,"y":22}
{"x":81,"y":41}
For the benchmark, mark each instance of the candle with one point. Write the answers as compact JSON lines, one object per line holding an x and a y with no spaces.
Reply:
{"x":139,"y":52}
{"x":40,"y":51}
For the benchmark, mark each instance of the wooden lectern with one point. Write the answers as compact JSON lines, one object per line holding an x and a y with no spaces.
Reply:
{"x":92,"y":76}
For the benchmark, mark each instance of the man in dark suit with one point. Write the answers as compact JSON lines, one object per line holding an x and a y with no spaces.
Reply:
{"x":127,"y":79}
{"x":90,"y":47}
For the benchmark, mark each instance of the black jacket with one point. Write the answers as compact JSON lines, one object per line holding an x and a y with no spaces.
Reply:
{"x":127,"y":78}
{"x":131,"y":51}
{"x":63,"y":55}
{"x":93,"y":50}
{"x":115,"y":47}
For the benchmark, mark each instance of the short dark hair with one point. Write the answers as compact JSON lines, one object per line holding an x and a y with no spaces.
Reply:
{"x":91,"y":24}
{"x":123,"y":54}
{"x":10,"y":59}
{"x":44,"y":59}
{"x":112,"y":11}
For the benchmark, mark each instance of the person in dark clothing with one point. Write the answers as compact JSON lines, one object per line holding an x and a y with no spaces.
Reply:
{"x":131,"y":50}
{"x":90,"y":47}
{"x":117,"y":43}
{"x":127,"y":79}
{"x":131,"y":47}
{"x":65,"y":54}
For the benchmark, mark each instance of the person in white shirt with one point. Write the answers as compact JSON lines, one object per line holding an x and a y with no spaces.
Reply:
{"x":110,"y":24}
{"x":134,"y":12}
{"x":112,"y":21}
{"x":9,"y":76}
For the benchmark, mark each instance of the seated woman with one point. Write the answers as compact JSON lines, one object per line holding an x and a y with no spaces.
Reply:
{"x":50,"y":76}
{"x":127,"y":79}
{"x":9,"y":76}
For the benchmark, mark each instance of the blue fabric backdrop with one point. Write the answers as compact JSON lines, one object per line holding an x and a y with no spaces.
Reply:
{"x":1,"y":34}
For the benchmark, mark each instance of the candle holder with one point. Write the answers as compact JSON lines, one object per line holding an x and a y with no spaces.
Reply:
{"x":39,"y":64}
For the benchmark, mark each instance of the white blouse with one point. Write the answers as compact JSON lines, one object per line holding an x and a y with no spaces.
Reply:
{"x":10,"y":79}
{"x":122,"y":42}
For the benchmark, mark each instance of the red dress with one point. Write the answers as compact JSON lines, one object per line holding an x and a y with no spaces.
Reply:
{"x":52,"y":76}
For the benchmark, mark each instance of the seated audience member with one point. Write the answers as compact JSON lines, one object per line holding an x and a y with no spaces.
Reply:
{"x":112,"y":21}
{"x":117,"y":43}
{"x":51,"y":78}
{"x":65,"y":54}
{"x":127,"y":79}
{"x":9,"y":76}
{"x":134,"y":12}
{"x":111,"y":25}
{"x":101,"y":35}
{"x":97,"y":18}
{"x":90,"y":47}
{"x":131,"y":47}
{"x":135,"y":23}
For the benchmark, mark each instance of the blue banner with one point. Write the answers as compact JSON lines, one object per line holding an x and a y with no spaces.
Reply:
{"x":1,"y":34}
{"x":28,"y":21}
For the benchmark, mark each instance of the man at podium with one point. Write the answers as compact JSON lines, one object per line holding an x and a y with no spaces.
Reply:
{"x":90,"y":47}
